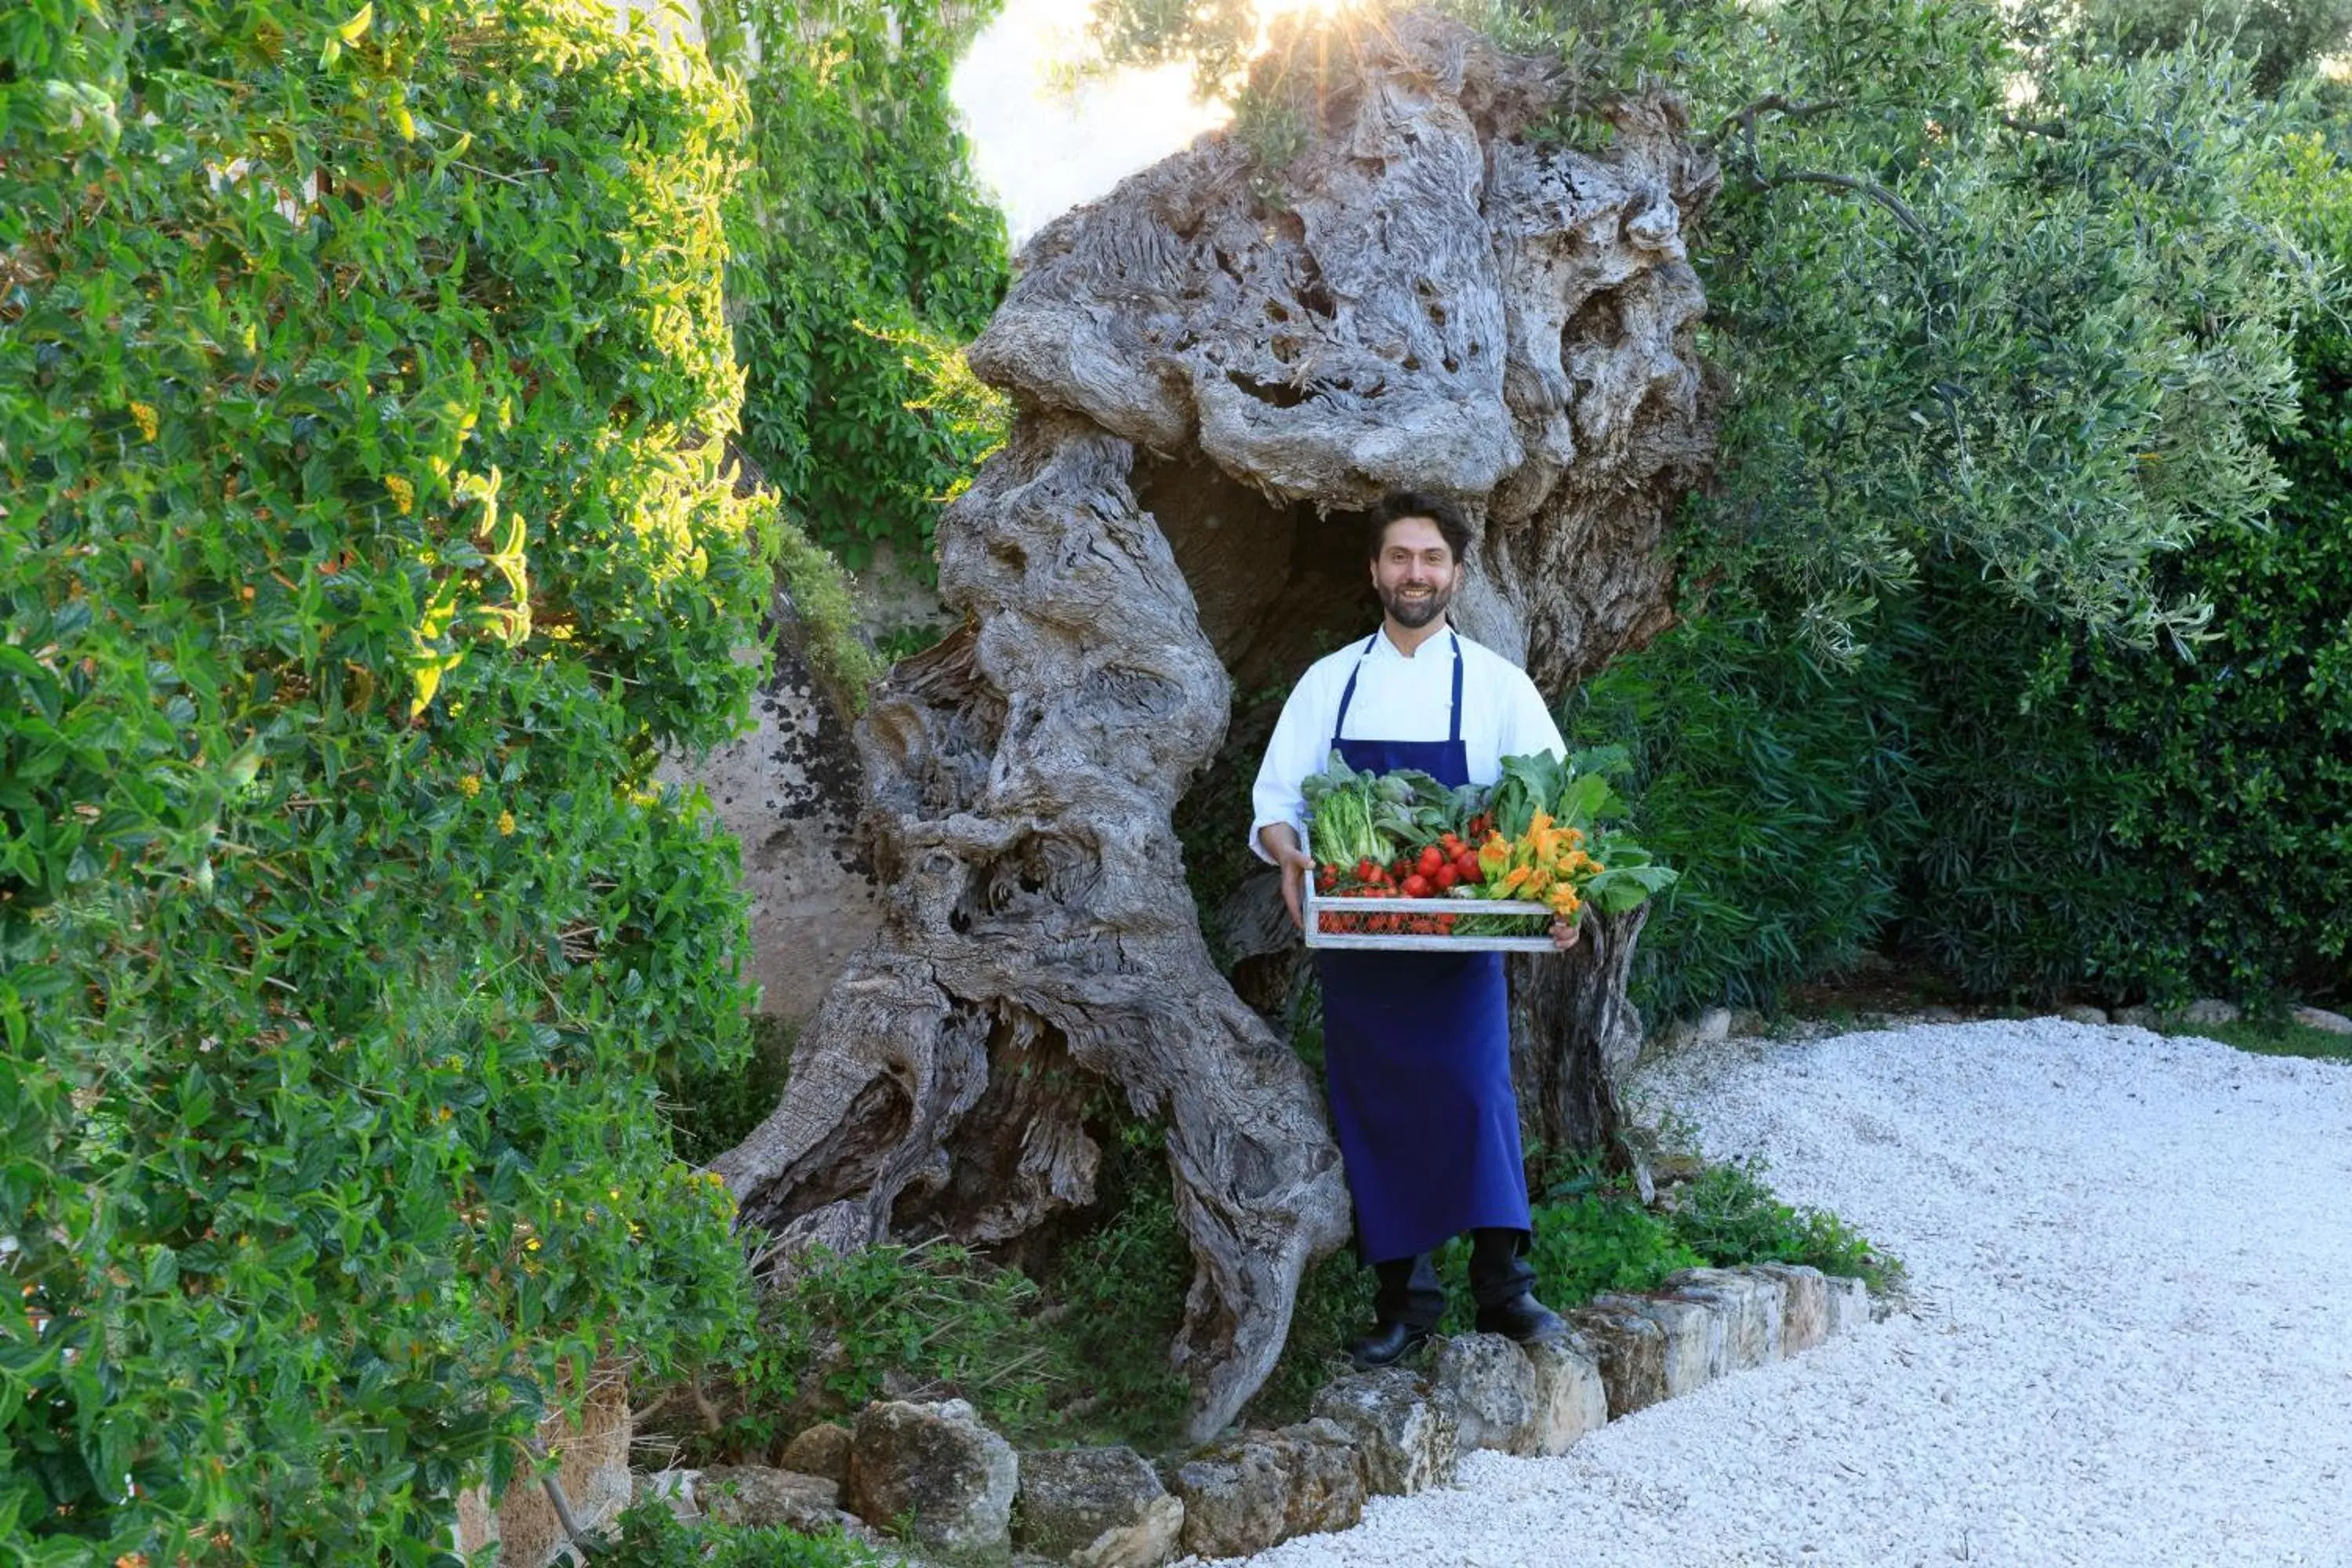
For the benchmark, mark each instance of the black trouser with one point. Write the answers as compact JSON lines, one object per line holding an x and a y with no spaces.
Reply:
{"x":1410,"y":1292}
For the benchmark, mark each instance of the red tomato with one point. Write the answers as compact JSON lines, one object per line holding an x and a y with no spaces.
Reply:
{"x":1446,"y":877}
{"x":1416,"y":886}
{"x":1432,"y":857}
{"x":1467,"y":867}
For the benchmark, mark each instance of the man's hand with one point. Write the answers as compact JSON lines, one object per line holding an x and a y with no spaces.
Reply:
{"x":1295,"y":868}
{"x":1279,"y":841}
{"x":1563,"y":934}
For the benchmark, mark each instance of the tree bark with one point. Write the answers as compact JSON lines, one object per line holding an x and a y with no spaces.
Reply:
{"x":1216,"y":369}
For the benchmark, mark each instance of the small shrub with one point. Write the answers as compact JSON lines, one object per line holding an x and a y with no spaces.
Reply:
{"x":1778,"y":782}
{"x":649,"y":1536}
{"x":1602,"y":1241}
{"x":931,"y":1322}
{"x":1119,"y":1288}
{"x":1729,"y":1217}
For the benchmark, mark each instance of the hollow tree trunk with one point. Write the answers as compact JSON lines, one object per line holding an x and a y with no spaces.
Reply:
{"x":1216,"y":368}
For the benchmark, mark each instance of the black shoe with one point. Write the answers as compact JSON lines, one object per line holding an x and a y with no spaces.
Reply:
{"x":1522,"y":1318}
{"x":1386,"y":1345}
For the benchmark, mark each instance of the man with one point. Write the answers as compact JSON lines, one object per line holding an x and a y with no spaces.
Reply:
{"x":1416,"y":1045}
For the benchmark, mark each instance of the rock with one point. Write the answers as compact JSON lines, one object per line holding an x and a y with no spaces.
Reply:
{"x":1245,"y":1494}
{"x":1407,"y":1442}
{"x":938,"y":1467}
{"x":674,"y":1487}
{"x":2208,"y":1010}
{"x":1150,"y":1541}
{"x":2136,"y":1017}
{"x":756,"y":1495}
{"x":1707,"y":1028}
{"x":1695,"y":1352}
{"x":1237,"y":1497}
{"x":1103,"y":1504}
{"x":1804,"y":1304}
{"x":1849,"y":1303}
{"x":1570,"y":1399}
{"x":1631,"y":1351}
{"x":1491,"y":1386}
{"x":821,"y":1451}
{"x":2321,"y":1018}
{"x":1750,"y":1307}
{"x":789,"y":790}
{"x":1327,"y":1477}
{"x":2082,"y":1013}
{"x":1744,"y":1022}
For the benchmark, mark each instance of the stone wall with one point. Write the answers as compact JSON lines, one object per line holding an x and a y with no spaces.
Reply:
{"x":1394,"y":1432}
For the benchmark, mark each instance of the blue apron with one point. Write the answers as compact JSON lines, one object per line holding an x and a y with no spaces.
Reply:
{"x":1417,"y":1057}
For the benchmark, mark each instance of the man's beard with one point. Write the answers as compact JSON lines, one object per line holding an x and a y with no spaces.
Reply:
{"x":1414,"y":613}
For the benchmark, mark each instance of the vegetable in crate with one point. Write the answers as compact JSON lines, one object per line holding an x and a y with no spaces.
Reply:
{"x":1548,"y":846}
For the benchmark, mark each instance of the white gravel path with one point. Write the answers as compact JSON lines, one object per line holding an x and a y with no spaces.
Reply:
{"x":2129,"y":1340}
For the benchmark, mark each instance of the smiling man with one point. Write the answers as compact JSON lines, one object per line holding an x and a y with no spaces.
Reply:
{"x":1416,"y":1045}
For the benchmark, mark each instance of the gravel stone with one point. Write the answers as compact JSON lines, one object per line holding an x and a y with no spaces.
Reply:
{"x":2123,"y":1339}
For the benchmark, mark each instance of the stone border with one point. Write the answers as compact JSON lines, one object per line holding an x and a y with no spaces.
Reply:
{"x":1388,"y":1433}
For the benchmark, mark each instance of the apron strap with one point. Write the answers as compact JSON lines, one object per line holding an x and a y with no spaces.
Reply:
{"x":1453,"y":727}
{"x":1453,"y":736}
{"x":1350,"y":694}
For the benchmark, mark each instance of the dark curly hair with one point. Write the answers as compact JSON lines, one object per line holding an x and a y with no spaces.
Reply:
{"x":1399,"y":504}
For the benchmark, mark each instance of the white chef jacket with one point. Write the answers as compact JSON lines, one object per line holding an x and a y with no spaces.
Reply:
{"x":1398,"y":698}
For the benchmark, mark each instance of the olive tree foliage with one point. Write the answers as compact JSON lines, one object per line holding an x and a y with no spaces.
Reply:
{"x":1974,"y":293}
{"x":2277,"y":37}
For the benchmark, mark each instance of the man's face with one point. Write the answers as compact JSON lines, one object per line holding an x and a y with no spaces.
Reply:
{"x":1413,"y":573}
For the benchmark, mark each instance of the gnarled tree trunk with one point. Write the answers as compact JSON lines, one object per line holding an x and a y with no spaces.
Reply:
{"x":1217,"y":369}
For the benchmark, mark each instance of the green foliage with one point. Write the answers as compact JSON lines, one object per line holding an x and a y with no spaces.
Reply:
{"x":888,"y":1321}
{"x":2166,"y":823}
{"x":1597,"y":1241}
{"x":2277,"y":37}
{"x":713,"y":1108}
{"x":1119,"y":1288}
{"x":649,"y":1536}
{"x":866,"y":257}
{"x":2047,"y":344}
{"x":2046,"y":350}
{"x":1778,"y":782}
{"x":1729,"y":1217}
{"x":361,"y":547}
{"x":2274,"y":1037}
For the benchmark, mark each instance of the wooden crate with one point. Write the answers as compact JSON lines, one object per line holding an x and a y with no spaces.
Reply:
{"x":1317,"y":904}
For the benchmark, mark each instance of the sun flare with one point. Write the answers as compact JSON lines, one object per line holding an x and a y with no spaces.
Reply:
{"x":1048,"y":133}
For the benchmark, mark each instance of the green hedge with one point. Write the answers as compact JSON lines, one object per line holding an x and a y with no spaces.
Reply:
{"x":362,"y":369}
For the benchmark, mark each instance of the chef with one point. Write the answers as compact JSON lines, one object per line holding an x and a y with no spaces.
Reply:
{"x":1416,"y":1045}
